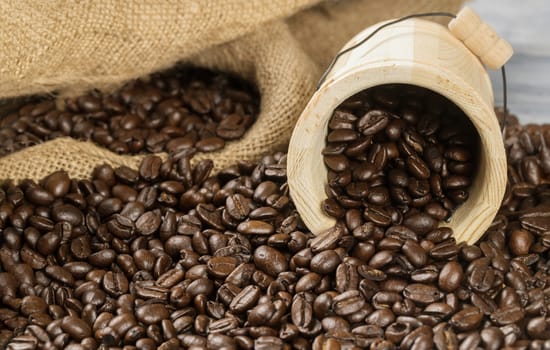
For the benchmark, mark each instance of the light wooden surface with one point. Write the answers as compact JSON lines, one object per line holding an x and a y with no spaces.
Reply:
{"x":414,"y":52}
{"x":525,"y":24}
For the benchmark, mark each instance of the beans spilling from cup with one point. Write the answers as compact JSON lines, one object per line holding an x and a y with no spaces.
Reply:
{"x":168,"y":112}
{"x":395,"y":153}
{"x":169,"y":256}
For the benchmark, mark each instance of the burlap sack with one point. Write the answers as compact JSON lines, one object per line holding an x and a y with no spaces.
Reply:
{"x":68,"y":47}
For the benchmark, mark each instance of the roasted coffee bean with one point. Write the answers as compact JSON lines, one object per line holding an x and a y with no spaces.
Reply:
{"x":444,"y":250}
{"x":301,"y":311}
{"x":255,"y":227}
{"x":115,"y":283}
{"x":152,"y":115}
{"x":152,"y":313}
{"x":508,"y":315}
{"x":348,"y":302}
{"x":196,"y":281}
{"x":32,"y":304}
{"x":520,"y":242}
{"x":325,"y":262}
{"x":482,"y":277}
{"x":347,"y":277}
{"x":422,"y":293}
{"x":270,"y":260}
{"x":337,"y":163}
{"x":373,"y":122}
{"x":148,"y":223}
{"x":60,"y":274}
{"x":466,"y":319}
{"x":421,"y":223}
{"x":416,"y":168}
{"x":415,"y":253}
{"x":450,"y":277}
{"x":245,"y":299}
{"x":238,"y":206}
{"x":76,"y":327}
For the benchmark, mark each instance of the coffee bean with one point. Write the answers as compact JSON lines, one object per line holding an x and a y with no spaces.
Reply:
{"x":69,"y":213}
{"x":150,"y":167}
{"x":60,"y":274}
{"x":373,"y":122}
{"x":415,"y":253}
{"x":520,"y":242}
{"x":238,"y":206}
{"x":450,"y":277}
{"x":49,"y":243}
{"x":420,"y":223}
{"x":508,"y":315}
{"x":115,"y":284}
{"x":102,"y":258}
{"x":325,"y":262}
{"x":210,"y":144}
{"x":308,"y":282}
{"x":466,"y":319}
{"x":39,"y":196}
{"x":422,"y":293}
{"x":76,"y":327}
{"x":220,"y":267}
{"x":241,"y":275}
{"x":458,"y":153}
{"x":200,"y":286}
{"x":348,"y":302}
{"x":301,"y":311}
{"x":152,"y":313}
{"x":24,"y":341}
{"x":378,"y":215}
{"x":195,"y":280}
{"x":270,"y":260}
{"x":245,"y":299}
{"x":32,"y":304}
{"x":255,"y":227}
{"x":481,"y":278}
{"x":418,"y":168}
{"x":444,"y":250}
{"x":347,"y":277}
{"x":337,"y":163}
{"x":223,"y":325}
{"x":148,"y":223}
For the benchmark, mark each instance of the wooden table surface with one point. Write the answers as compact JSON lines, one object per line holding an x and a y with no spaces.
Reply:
{"x":525,"y":24}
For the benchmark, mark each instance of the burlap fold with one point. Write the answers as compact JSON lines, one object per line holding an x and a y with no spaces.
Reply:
{"x":68,"y":47}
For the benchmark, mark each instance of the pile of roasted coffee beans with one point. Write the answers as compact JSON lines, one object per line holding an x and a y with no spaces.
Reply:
{"x":169,"y":112}
{"x":170,"y":257}
{"x":397,"y":150}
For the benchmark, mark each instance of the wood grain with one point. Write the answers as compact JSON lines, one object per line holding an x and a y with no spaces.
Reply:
{"x":414,"y":52}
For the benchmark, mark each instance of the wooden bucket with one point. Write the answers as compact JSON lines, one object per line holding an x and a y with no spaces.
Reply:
{"x":424,"y":54}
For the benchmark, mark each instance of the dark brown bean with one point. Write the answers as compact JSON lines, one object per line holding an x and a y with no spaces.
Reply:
{"x":373,"y":122}
{"x":467,"y":319}
{"x":270,"y":260}
{"x":152,"y":313}
{"x":76,"y":327}
{"x":450,"y":277}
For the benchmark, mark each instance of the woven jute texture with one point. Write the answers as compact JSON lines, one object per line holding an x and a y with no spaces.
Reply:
{"x":280,"y":45}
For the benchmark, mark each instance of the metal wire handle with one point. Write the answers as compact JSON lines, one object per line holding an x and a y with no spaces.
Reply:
{"x":417,"y":15}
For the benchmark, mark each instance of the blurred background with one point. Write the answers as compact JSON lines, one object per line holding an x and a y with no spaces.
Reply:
{"x":525,"y":24}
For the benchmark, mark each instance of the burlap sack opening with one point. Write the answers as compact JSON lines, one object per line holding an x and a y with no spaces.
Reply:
{"x":110,"y":45}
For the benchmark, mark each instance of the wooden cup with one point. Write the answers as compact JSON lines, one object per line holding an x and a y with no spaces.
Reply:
{"x":424,"y":54}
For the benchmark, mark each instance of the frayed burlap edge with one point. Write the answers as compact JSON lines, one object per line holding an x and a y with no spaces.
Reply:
{"x":284,"y":80}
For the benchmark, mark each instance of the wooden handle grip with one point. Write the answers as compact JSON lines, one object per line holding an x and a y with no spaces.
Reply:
{"x":481,"y":39}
